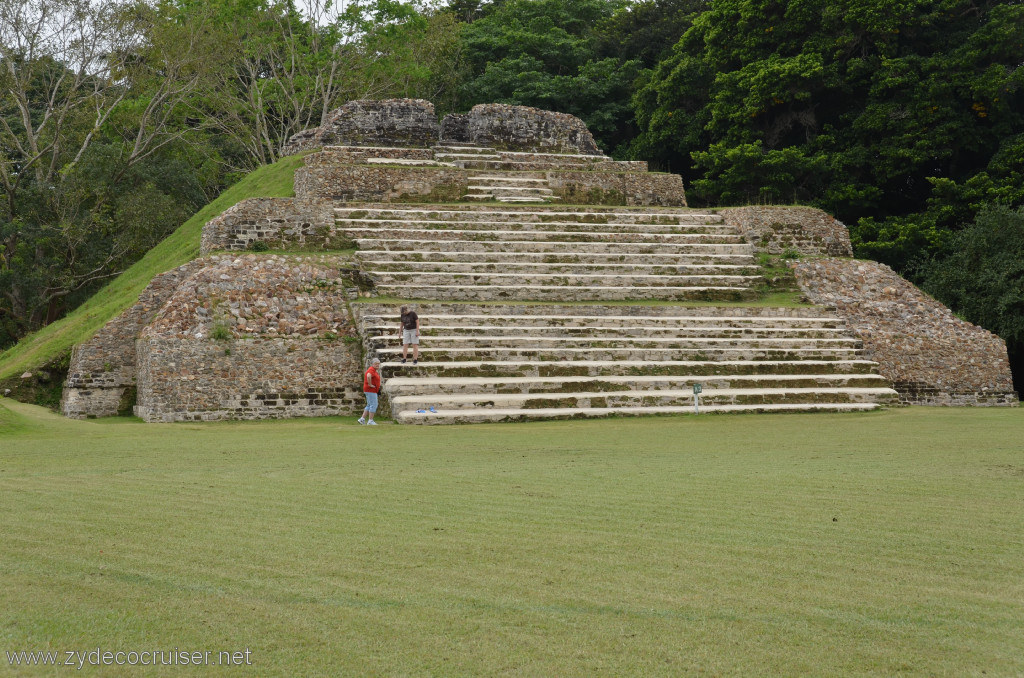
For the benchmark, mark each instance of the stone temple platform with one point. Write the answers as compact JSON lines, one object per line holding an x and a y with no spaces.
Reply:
{"x":552,"y":282}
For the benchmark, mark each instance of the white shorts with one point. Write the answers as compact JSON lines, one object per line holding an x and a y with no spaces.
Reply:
{"x":410,"y":337}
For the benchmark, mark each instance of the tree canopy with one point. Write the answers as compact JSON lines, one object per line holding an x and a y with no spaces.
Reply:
{"x":877,"y":111}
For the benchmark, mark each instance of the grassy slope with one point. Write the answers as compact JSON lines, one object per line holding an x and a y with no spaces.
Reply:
{"x":178,"y":248}
{"x":725,"y":545}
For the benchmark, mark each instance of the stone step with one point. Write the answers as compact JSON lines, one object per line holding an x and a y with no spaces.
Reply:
{"x":554,"y":157}
{"x":692,"y":343}
{"x":563,"y":293}
{"x":389,"y":277}
{"x":560,"y":353}
{"x":603,"y":368}
{"x":407,"y":162}
{"x":546,"y":227}
{"x":642,"y":398}
{"x":511,"y":415}
{"x":453,"y":156}
{"x":424,"y":243}
{"x":429,"y":386}
{"x":374,"y":327}
{"x":412,"y":232}
{"x":538,"y":214}
{"x":511,"y":190}
{"x":478,"y":267}
{"x":508,"y":198}
{"x":581,"y":258}
{"x":497,"y":165}
{"x":520,"y":198}
{"x":502,"y":180}
{"x":455,"y":147}
{"x":605,"y":316}
{"x":810,"y":316}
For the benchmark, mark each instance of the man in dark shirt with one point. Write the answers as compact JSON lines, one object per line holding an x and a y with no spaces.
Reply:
{"x":410,"y":331}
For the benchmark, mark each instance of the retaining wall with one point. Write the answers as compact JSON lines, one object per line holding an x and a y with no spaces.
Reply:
{"x":102,"y":373}
{"x":252,"y":337}
{"x":807,"y":230}
{"x":302,"y":223}
{"x":931,"y":356}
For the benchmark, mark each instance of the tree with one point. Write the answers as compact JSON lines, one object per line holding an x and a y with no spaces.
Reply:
{"x":543,"y":53}
{"x":874,"y":110}
{"x":982,"y":278}
{"x":274,"y":71}
{"x":88,"y":102}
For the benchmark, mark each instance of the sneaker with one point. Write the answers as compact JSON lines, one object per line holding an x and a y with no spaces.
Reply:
{"x":361,"y":420}
{"x":432,"y":409}
{"x":415,"y":362}
{"x":371,"y":423}
{"x":403,"y":361}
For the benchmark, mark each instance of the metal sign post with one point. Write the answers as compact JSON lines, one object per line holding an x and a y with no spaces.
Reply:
{"x":697,"y":388}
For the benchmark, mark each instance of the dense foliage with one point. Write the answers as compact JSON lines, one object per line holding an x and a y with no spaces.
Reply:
{"x":118,"y":119}
{"x":893,"y":116}
{"x":983,"y":277}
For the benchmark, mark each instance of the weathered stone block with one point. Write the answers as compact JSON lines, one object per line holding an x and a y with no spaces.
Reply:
{"x":455,"y":128}
{"x":389,"y":122}
{"x":523,"y":128}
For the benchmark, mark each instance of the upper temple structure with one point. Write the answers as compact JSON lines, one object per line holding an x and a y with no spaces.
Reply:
{"x":551,"y":282}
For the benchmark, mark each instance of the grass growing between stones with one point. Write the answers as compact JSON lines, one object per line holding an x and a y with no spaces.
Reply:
{"x":270,"y":181}
{"x":883,"y":543}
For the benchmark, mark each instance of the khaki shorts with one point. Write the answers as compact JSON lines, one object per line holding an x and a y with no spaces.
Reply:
{"x":410,"y":337}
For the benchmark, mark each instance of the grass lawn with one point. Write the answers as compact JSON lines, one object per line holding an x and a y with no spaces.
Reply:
{"x":883,"y":543}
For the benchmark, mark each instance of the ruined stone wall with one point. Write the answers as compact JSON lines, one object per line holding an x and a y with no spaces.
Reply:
{"x":101,"y":375}
{"x":379,"y":183}
{"x":389,"y":122}
{"x":523,"y":128}
{"x":931,"y":356}
{"x":806,"y":230}
{"x":618,"y":188}
{"x":387,"y":183}
{"x":302,"y":223}
{"x":252,"y":337}
{"x":455,"y":128}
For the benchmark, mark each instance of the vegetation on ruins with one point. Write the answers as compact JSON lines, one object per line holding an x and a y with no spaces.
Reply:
{"x":119,"y":120}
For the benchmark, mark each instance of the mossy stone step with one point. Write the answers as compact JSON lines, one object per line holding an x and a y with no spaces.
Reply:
{"x":514,"y":415}
{"x":598,"y":368}
{"x":564,"y":292}
{"x":423,"y":242}
{"x":408,"y":386}
{"x":557,"y":354}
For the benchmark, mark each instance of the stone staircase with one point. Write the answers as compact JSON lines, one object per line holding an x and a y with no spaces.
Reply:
{"x":487,"y":361}
{"x":497,"y":362}
{"x":510,"y":189}
{"x":471,"y":253}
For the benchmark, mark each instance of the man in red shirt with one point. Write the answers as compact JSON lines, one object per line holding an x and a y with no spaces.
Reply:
{"x":371,"y":387}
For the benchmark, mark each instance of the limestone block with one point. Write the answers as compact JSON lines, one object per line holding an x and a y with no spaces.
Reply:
{"x":524,"y":128}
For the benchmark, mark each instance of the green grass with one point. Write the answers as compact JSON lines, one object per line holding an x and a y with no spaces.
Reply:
{"x":885,"y":543}
{"x":178,"y":248}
